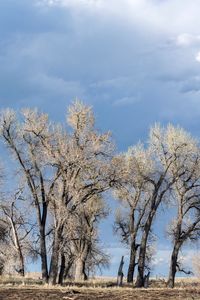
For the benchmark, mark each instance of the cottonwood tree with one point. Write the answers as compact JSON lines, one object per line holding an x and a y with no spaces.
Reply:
{"x":147,"y":182}
{"x":160,"y":183}
{"x":186,"y":195}
{"x":80,"y":250}
{"x":82,"y":158}
{"x":23,"y":138}
{"x":81,"y":253}
{"x":85,"y":239}
{"x":133,"y":191}
{"x":63,"y":169}
{"x":15,"y":218}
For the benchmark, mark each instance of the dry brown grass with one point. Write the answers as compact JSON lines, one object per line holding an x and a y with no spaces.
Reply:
{"x":186,"y":289}
{"x":33,"y":293}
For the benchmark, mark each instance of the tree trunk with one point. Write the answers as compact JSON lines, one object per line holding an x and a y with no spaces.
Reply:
{"x":80,"y":263}
{"x":21,"y":257}
{"x":21,"y":271}
{"x":120,"y":273}
{"x":141,"y":261}
{"x":173,"y":264}
{"x":156,"y":200}
{"x":53,"y":272}
{"x":80,"y":273}
{"x":68,"y":267}
{"x":132,"y":264}
{"x":43,"y":253}
{"x":62,"y":269}
{"x":142,"y":252}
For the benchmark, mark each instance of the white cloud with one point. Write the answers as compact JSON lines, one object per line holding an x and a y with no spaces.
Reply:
{"x":157,"y":261}
{"x":198,"y":57}
{"x":173,"y":16}
{"x":186,"y":39}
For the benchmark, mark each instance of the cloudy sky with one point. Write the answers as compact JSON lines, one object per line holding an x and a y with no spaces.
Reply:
{"x":136,"y":62}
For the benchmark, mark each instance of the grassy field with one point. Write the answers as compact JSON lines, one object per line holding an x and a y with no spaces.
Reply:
{"x":185,"y":290}
{"x":32,"y":293}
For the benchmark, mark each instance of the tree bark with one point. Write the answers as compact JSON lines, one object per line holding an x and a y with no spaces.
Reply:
{"x":21,"y":271}
{"x":142,"y":252}
{"x":173,"y":264}
{"x":68,"y":267}
{"x":62,"y":270}
{"x":120,"y":273}
{"x":43,"y":253}
{"x":132,"y":263}
{"x":80,"y":263}
{"x":141,"y":260}
{"x":80,"y":273}
{"x":155,"y":202}
{"x":42,"y":218}
{"x":53,"y":272}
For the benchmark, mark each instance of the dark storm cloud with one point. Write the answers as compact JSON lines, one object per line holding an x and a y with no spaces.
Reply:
{"x":125,"y":58}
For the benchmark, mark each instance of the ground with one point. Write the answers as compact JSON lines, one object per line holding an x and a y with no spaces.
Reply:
{"x":33,"y":293}
{"x":16,"y":288}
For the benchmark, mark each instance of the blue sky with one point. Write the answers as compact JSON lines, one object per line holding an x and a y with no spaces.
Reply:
{"x":136,"y":62}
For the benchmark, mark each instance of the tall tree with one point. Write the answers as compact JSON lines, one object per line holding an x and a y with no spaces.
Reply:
{"x":23,"y":139}
{"x":63,"y":168}
{"x":16,"y":218}
{"x":160,"y":181}
{"x":82,"y":158}
{"x":133,"y":191}
{"x":186,"y":195}
{"x":85,"y":240}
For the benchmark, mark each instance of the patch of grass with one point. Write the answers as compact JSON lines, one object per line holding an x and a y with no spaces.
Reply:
{"x":85,"y":293}
{"x":99,"y":288}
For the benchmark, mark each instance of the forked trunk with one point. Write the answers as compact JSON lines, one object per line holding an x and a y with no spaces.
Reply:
{"x":143,"y":245}
{"x":141,"y":261}
{"x":53,"y":272}
{"x":173,"y":265}
{"x":142,"y":253}
{"x":132,"y":263}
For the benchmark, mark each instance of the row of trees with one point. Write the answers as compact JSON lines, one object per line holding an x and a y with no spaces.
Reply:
{"x":64,"y":172}
{"x":166,"y":171}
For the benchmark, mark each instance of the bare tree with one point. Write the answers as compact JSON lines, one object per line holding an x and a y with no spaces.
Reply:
{"x":62,"y":170}
{"x":186,"y":195}
{"x":160,"y":183}
{"x":16,"y":218}
{"x":22,"y":138}
{"x":85,"y":242}
{"x":133,"y":191}
{"x":82,"y":158}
